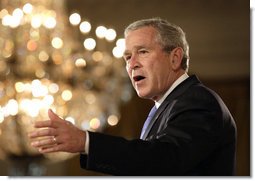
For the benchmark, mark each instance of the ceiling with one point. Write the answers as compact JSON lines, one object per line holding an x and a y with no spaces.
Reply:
{"x":218,"y":31}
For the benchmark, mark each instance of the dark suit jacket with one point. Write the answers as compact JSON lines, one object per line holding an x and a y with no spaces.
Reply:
{"x":192,"y":133}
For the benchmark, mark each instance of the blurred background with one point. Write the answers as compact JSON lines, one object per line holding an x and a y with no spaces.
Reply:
{"x":66,"y":55}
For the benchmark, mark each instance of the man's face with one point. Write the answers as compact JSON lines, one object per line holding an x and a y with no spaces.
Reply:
{"x":148,"y":66}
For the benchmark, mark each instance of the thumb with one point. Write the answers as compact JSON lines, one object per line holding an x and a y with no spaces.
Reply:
{"x":53,"y":116}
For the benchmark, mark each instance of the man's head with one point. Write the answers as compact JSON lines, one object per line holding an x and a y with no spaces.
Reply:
{"x":156,"y":55}
{"x":169,"y":36}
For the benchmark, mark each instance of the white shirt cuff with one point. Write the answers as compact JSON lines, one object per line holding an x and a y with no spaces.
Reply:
{"x":87,"y":143}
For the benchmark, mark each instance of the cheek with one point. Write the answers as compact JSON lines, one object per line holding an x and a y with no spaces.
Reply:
{"x":160,"y":72}
{"x":129,"y":72}
{"x":164,"y":66}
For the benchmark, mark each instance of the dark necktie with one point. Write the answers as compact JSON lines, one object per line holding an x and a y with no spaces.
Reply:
{"x":148,"y":120}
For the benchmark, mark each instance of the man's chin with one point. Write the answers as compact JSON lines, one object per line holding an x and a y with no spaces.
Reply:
{"x":143,"y":95}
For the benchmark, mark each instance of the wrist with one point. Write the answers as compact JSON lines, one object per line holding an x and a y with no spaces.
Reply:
{"x":82,"y":140}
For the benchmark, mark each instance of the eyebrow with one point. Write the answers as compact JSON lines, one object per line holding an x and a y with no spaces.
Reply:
{"x":126,"y":52}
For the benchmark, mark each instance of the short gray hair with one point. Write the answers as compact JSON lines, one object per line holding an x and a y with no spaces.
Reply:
{"x":170,"y":36}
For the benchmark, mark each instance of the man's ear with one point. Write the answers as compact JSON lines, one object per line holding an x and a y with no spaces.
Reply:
{"x":176,"y":58}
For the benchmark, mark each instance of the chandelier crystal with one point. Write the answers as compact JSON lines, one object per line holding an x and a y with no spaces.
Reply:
{"x":51,"y":60}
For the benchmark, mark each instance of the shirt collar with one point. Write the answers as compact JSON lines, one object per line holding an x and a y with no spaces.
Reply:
{"x":171,"y":88}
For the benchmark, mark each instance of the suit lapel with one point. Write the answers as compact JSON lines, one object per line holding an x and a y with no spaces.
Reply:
{"x":155,"y":117}
{"x":180,"y":89}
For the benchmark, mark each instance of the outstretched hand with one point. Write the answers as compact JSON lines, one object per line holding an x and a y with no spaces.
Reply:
{"x":56,"y":134}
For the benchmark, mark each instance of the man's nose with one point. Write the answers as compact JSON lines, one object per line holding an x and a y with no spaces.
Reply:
{"x":134,"y":62}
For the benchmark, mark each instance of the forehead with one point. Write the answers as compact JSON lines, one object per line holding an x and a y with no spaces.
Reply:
{"x":139,"y":37}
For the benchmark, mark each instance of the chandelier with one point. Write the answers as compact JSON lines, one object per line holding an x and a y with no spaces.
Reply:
{"x":49,"y":59}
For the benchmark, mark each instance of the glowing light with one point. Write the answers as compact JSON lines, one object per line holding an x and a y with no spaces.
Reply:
{"x":28,"y":87}
{"x":117,"y":52}
{"x":53,"y":88}
{"x":66,"y":95}
{"x":17,"y":13}
{"x":48,"y":100}
{"x":110,"y":34}
{"x":3,"y":13}
{"x":43,"y":56}
{"x":50,"y":22}
{"x":80,"y":62}
{"x":38,"y":89}
{"x":1,"y":115}
{"x":89,"y":43}
{"x":7,"y":19}
{"x":121,"y":43}
{"x":119,"y":49}
{"x":101,"y":31}
{"x":34,"y":107}
{"x":15,"y":22}
{"x":35,"y":35}
{"x":31,"y":45}
{"x":24,"y":104}
{"x":85,"y":27}
{"x":36,"y":21}
{"x":20,"y":87}
{"x":75,"y":19}
{"x":97,"y":56}
{"x":39,"y":73}
{"x":1,"y":118}
{"x":57,"y":42}
{"x":27,"y":8}
{"x":94,"y":123}
{"x":12,"y":107}
{"x":112,"y":120}
{"x":90,"y":98}
{"x":57,"y":57}
{"x":17,"y":16}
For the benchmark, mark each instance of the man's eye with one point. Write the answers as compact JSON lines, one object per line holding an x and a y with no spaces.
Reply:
{"x":127,"y":57}
{"x":142,"y":51}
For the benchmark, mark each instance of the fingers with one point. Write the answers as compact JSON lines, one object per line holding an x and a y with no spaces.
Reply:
{"x":53,"y":122}
{"x":43,"y":124}
{"x":48,"y":149}
{"x":53,"y":116}
{"x":66,"y":134}
{"x":46,"y":142}
{"x":47,"y":139}
{"x":42,"y":132}
{"x":47,"y":145}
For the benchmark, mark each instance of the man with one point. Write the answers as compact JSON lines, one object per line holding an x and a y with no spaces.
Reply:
{"x":191,"y":132}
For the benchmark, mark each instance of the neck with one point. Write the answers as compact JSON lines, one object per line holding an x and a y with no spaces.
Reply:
{"x":179,"y":80}
{"x":175,"y":77}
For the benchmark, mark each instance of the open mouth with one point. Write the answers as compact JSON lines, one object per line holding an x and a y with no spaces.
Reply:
{"x":138,"y":78}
